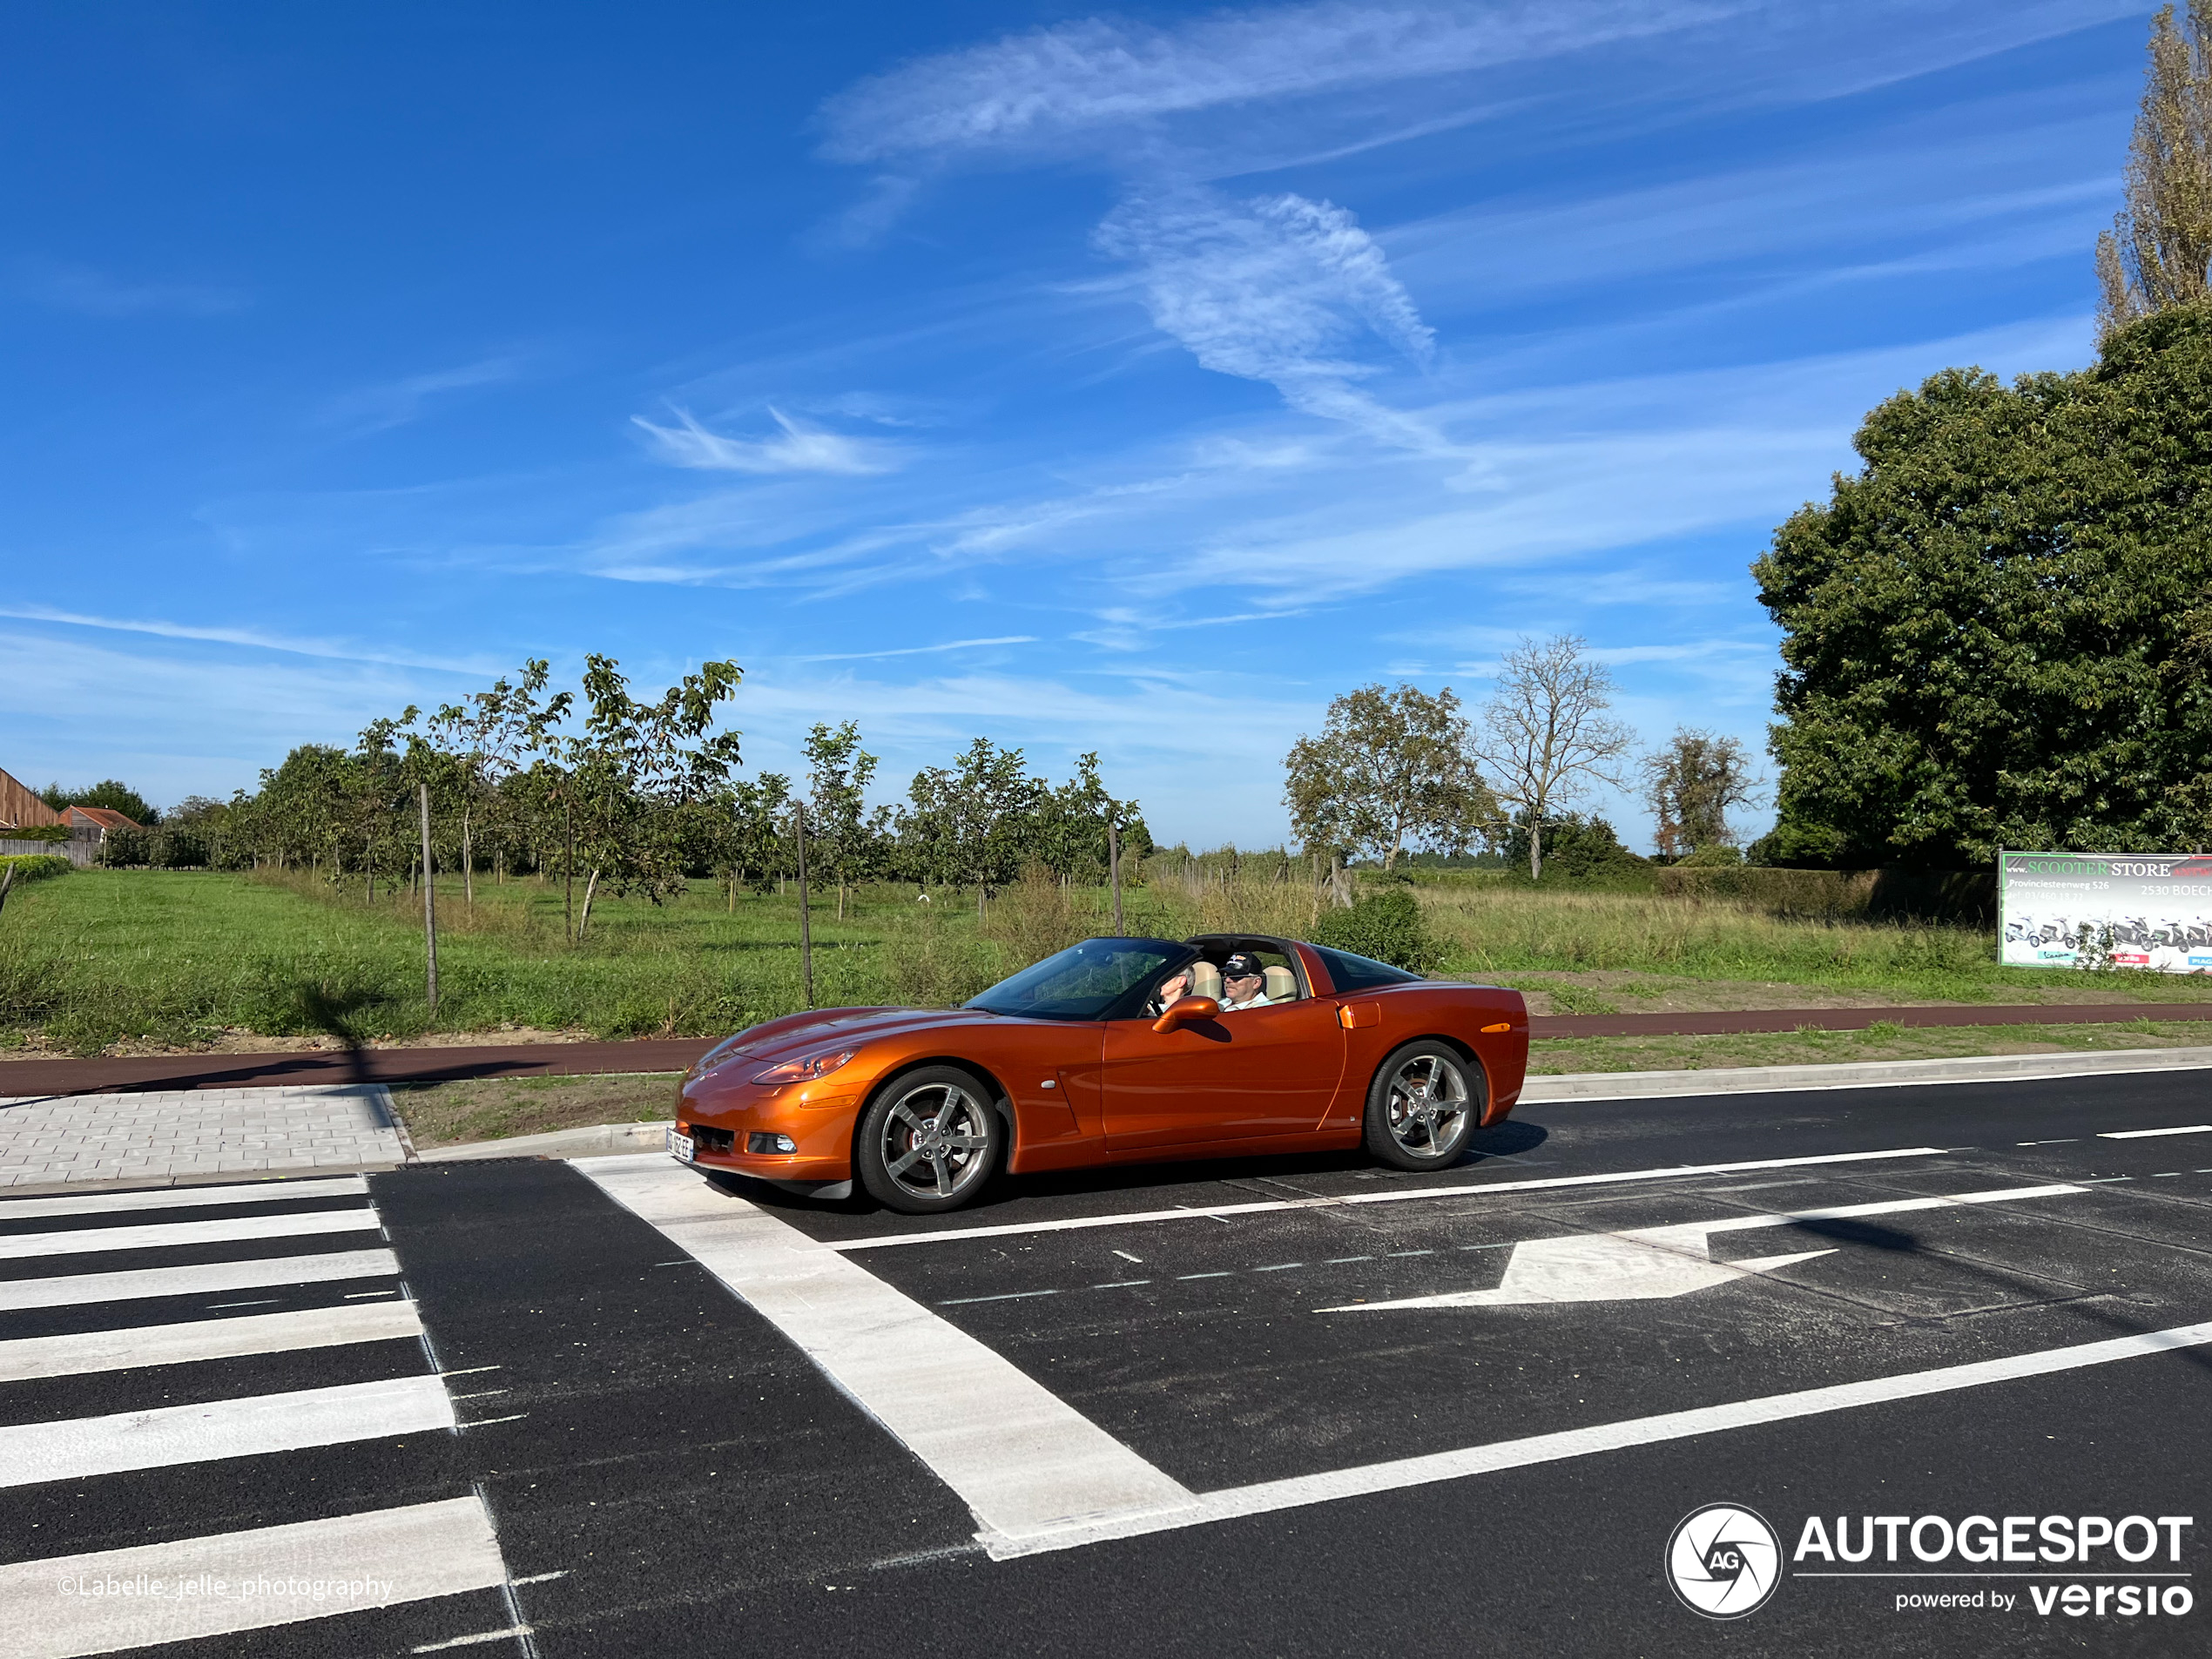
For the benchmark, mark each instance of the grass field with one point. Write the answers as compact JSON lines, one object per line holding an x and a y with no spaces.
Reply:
{"x":98,"y":959}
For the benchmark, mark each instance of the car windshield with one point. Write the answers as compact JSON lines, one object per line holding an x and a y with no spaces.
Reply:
{"x":1082,"y":981}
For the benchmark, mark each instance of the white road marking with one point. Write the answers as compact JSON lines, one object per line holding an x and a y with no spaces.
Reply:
{"x":78,"y":1446}
{"x":1021,"y":1458}
{"x":2146,"y":1134}
{"x":176,"y":1345}
{"x":1650,"y":1263}
{"x":211,"y":1278}
{"x":380,"y":1559}
{"x":1301,"y":1490}
{"x":1009,"y":1296}
{"x":164,"y":1235}
{"x":1467,"y":1190}
{"x":99,"y":1203}
{"x":512,"y":1633}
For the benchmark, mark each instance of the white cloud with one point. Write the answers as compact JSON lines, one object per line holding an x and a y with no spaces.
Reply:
{"x":290,"y":644}
{"x":1277,"y":289}
{"x":920,"y":650}
{"x":393,"y":403}
{"x":91,"y":292}
{"x":801,"y":449}
{"x":1051,"y":85}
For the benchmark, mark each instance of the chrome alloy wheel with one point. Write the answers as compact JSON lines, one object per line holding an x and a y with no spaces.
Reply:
{"x":935,"y":1140}
{"x":1427,"y":1110}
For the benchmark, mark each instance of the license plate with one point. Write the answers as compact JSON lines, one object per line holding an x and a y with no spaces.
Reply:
{"x":680,"y":1145}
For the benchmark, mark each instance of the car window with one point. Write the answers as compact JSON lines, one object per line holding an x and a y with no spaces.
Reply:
{"x":1360,"y":973}
{"x":1082,"y":983}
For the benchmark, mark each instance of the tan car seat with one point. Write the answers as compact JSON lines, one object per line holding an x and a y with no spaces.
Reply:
{"x":1281,"y":986}
{"x":1205,"y":980}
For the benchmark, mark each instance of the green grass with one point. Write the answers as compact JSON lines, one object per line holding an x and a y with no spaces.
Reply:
{"x":1501,"y":931}
{"x":100,"y":958}
{"x":492,"y":1108}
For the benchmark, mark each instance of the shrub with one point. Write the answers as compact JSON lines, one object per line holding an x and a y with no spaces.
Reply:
{"x":1034,"y":918}
{"x":1387,"y":926}
{"x":34,"y":866}
{"x":1713,"y":855}
{"x":52,"y":834}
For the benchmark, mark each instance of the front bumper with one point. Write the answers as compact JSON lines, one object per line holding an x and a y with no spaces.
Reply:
{"x":723,"y":1116}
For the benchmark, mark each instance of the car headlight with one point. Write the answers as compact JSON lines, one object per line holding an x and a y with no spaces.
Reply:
{"x":800,"y":1071}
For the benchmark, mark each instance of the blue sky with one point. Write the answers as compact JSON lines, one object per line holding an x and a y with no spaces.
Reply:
{"x":1130,"y":380}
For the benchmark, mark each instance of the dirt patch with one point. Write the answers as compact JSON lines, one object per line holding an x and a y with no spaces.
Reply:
{"x":1631,"y":992}
{"x":1556,"y":1057}
{"x":237,"y":1040}
{"x":493,"y":1108}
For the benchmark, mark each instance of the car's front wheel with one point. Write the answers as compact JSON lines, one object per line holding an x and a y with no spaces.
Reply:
{"x":928,"y":1141}
{"x":1423,"y":1106}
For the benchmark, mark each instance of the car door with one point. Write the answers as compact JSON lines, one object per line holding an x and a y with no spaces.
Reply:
{"x":1246,"y":1075}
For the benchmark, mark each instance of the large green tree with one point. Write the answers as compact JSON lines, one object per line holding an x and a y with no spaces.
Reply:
{"x":1987,"y":628}
{"x":1391,"y":771}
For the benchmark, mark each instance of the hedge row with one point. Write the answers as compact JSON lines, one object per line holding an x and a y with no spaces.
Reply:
{"x":1927,"y":895}
{"x":34,"y":866}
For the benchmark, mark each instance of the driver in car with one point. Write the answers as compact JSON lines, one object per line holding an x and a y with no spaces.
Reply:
{"x":1244,"y":982}
{"x":1174,"y":988}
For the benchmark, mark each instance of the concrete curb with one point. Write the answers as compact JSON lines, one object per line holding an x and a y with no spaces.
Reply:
{"x":195,"y":1179}
{"x":1870,"y":1074}
{"x":592,"y":1141}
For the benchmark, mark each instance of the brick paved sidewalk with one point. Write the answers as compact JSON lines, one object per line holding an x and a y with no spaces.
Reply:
{"x":187,"y":1135}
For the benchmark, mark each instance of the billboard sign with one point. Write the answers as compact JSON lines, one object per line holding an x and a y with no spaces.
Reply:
{"x":2148,"y":910}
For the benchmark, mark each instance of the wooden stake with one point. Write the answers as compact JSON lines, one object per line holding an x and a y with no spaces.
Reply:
{"x":805,"y":926}
{"x":1114,"y":872}
{"x":429,"y":903}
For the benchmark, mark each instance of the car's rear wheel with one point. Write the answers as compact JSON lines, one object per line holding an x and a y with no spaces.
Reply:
{"x":1423,"y":1106}
{"x":929,"y":1141}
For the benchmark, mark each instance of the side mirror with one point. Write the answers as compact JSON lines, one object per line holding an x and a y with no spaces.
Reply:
{"x":1186,"y":1012}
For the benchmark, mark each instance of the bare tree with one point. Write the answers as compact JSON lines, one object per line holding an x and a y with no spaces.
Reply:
{"x":1691,"y":784}
{"x":1390,"y":769}
{"x":2156,"y":253}
{"x":1545,"y":737}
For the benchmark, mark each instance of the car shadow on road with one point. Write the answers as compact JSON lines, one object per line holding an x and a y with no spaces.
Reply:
{"x":1504,"y":1141}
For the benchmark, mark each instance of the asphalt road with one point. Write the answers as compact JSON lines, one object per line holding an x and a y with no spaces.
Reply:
{"x":1498,"y":1466}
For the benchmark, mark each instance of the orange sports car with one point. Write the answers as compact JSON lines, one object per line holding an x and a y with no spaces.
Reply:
{"x":1115,"y":1050}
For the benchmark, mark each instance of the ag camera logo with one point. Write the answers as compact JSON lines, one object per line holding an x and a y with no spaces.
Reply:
{"x":1724,"y":1560}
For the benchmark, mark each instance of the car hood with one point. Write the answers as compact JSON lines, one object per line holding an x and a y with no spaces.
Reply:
{"x":798,"y":1034}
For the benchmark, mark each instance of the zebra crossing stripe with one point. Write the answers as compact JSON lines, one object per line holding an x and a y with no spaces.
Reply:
{"x":101,"y":1204}
{"x":76,"y":1605}
{"x":1020,"y":1456}
{"x":175,"y":1344}
{"x":210,"y":1278}
{"x":163,"y":1235}
{"x":79,"y":1446}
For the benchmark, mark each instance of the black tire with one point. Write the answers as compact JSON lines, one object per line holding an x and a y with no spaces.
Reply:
{"x":901,"y":1161}
{"x":1423,"y":1106}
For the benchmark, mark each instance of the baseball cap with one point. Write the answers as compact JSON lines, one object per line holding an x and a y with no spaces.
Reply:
{"x":1241,"y":964}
